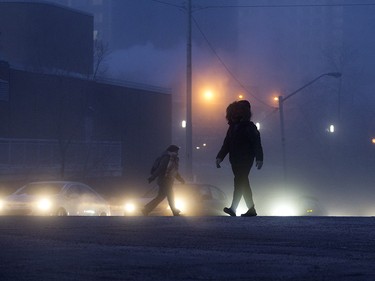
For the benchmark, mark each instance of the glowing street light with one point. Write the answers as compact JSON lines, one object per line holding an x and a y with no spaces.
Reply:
{"x":331,"y":129}
{"x":183,"y":123}
{"x":373,"y":140}
{"x":208,"y":95}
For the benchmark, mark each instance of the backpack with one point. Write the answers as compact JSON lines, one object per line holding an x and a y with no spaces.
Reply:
{"x":155,"y":165}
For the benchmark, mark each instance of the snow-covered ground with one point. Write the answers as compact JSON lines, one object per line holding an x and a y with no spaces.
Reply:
{"x":187,"y":248}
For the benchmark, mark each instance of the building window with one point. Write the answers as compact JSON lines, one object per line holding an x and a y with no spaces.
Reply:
{"x":4,"y":90}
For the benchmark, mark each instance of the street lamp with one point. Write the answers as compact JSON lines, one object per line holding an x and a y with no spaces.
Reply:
{"x":331,"y":129}
{"x":281,"y":100}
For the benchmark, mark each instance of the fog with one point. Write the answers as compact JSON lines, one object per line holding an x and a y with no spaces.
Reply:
{"x":273,"y":48}
{"x":262,"y":49}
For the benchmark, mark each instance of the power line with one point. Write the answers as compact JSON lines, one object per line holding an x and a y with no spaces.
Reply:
{"x":226,"y":67}
{"x":218,"y":57}
{"x":288,"y":6}
{"x":275,"y":109}
{"x":270,"y":6}
{"x":253,"y":6}
{"x":168,"y":4}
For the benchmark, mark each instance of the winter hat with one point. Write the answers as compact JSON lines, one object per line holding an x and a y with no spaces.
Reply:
{"x":245,"y":103}
{"x":243,"y":110}
{"x":173,"y":148}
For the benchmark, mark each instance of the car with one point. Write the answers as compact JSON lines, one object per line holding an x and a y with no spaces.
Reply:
{"x":310,"y":206}
{"x":303,"y":205}
{"x":58,"y":198}
{"x":192,"y":199}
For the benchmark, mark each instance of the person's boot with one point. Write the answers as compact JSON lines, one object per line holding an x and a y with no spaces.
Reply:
{"x":250,"y":213}
{"x":176,"y":212}
{"x":229,"y":211}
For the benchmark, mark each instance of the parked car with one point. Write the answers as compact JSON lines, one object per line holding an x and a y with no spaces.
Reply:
{"x":59,"y":198}
{"x":192,"y":199}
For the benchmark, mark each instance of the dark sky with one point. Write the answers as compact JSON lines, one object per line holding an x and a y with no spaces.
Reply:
{"x":163,"y":24}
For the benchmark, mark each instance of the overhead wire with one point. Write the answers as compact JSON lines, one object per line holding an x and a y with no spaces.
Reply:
{"x":270,"y":5}
{"x":167,"y":3}
{"x":287,"y":6}
{"x":252,"y":6}
{"x":225,"y":66}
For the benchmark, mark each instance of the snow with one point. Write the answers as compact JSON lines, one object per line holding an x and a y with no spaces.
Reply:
{"x":187,"y":248}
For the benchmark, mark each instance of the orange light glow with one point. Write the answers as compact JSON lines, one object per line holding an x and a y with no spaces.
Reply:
{"x":373,"y":140}
{"x":240,"y":97}
{"x":208,"y":95}
{"x":276,"y":98}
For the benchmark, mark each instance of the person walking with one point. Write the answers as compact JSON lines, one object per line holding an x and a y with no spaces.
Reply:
{"x":166,"y":170}
{"x":243,"y":144}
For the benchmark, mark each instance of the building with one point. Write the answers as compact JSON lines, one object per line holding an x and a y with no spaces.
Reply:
{"x":46,"y":37}
{"x":56,"y":122}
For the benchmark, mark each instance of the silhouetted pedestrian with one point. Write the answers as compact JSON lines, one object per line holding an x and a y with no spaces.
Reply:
{"x":166,"y":170}
{"x":243,"y":144}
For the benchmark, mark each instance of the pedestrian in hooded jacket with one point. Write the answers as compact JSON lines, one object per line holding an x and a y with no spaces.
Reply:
{"x":243,"y":144}
{"x":166,"y":172}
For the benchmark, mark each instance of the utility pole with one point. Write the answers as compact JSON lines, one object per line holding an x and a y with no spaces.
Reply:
{"x":281,"y":109}
{"x":189,"y":125}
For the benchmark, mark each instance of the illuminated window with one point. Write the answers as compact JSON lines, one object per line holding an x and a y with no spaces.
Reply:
{"x":95,"y":34}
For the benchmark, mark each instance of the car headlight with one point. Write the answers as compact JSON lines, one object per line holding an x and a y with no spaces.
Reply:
{"x":129,"y":207}
{"x":44,"y":204}
{"x":180,"y":204}
{"x":284,"y":209}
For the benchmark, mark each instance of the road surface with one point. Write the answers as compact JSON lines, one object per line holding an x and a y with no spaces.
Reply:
{"x":187,"y":248}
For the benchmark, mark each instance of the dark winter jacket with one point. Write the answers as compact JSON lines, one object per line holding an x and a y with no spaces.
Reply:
{"x":243,"y":144}
{"x":165,"y":171}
